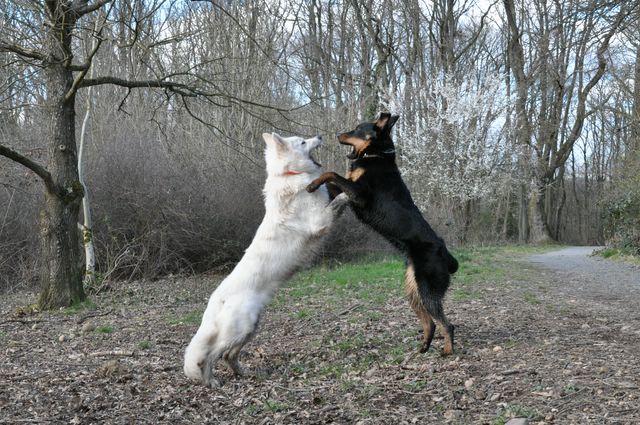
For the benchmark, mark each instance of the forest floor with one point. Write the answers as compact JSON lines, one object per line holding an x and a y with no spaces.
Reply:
{"x":551,"y":336}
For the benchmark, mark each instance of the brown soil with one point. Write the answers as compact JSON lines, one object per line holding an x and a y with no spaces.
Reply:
{"x":539,"y":345}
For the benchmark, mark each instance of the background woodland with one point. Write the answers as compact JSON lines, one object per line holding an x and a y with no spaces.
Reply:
{"x":520,"y":120}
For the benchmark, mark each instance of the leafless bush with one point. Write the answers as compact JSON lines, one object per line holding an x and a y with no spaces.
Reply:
{"x":18,"y":242}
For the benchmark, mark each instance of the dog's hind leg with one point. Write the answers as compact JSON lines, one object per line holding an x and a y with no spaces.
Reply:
{"x":431,"y":283}
{"x":428,"y":326}
{"x":208,"y":368}
{"x":434,"y":307}
{"x":231,"y":357}
{"x":244,"y":329}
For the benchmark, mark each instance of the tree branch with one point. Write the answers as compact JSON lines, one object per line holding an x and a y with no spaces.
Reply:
{"x":21,"y":51}
{"x":80,"y":77}
{"x":88,"y":8}
{"x":182,"y":89}
{"x":576,"y":130}
{"x":179,"y":88}
{"x":33,"y":166}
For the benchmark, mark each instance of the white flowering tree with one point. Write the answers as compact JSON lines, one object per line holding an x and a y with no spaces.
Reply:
{"x":459,"y":149}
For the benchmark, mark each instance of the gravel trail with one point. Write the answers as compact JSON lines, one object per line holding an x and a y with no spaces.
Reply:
{"x":598,"y":282}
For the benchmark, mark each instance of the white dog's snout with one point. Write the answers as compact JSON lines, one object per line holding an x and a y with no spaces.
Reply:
{"x":317,"y":141}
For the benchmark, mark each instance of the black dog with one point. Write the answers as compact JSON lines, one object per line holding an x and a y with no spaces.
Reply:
{"x":379,"y":198}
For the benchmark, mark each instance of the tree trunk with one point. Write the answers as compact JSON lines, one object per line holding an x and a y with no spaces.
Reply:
{"x":539,"y":232}
{"x":505,"y":220}
{"x":560,"y":206}
{"x":634,"y":143}
{"x":87,"y":225}
{"x":523,"y":216}
{"x":468,"y":208}
{"x":61,"y":275}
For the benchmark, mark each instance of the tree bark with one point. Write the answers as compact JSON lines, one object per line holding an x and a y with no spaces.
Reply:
{"x":539,"y":230}
{"x":86,"y":226}
{"x":61,"y":275}
{"x":560,"y":206}
{"x":523,"y":216}
{"x":634,"y":143}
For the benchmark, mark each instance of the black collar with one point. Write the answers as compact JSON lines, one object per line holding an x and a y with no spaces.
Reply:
{"x":383,"y":154}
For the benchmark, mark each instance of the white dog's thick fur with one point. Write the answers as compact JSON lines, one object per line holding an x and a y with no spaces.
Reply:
{"x":291,"y":229}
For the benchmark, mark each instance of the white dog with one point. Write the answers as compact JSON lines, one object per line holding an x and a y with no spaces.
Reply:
{"x":291,"y":229}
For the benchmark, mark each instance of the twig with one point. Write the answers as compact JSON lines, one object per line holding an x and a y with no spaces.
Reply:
{"x":116,"y":353}
{"x":302,"y":390}
{"x":90,"y":315}
{"x":514,"y":371}
{"x":349,"y":309}
{"x":23,"y":321}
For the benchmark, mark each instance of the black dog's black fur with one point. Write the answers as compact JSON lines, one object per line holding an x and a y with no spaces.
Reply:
{"x":379,"y":198}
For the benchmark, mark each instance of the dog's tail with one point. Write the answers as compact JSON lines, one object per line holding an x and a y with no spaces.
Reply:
{"x":452,"y":263}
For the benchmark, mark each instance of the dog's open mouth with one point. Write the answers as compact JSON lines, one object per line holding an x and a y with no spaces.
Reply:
{"x":354,"y":151}
{"x":313,"y":159}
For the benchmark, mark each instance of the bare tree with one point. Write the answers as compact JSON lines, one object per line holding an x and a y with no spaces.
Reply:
{"x":45,"y":39}
{"x":553,"y":82}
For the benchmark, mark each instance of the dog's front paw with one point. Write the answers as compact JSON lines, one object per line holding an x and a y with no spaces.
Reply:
{"x":313,"y":186}
{"x":341,"y":199}
{"x":339,"y":203}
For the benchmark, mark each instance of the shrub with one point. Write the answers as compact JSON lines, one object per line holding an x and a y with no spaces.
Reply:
{"x":622,"y":215}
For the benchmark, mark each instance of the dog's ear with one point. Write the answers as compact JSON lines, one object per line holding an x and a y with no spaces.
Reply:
{"x":386,"y":121}
{"x":274,"y":140}
{"x":392,"y":121}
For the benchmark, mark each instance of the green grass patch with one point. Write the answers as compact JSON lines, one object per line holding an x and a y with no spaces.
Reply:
{"x":531,"y":298}
{"x":510,"y":343}
{"x":144,"y":345}
{"x":104,"y":329}
{"x":347,"y":386}
{"x":365,"y":281}
{"x":190,"y":318}
{"x":628,"y":256}
{"x":465,"y":294}
{"x":482,"y":267}
{"x":365,"y":413}
{"x":274,"y":405}
{"x":300,"y":314}
{"x":515,"y":411}
{"x":415,"y":386}
{"x":80,"y":307}
{"x":334,"y":371}
{"x":251,"y":410}
{"x":377,"y":281}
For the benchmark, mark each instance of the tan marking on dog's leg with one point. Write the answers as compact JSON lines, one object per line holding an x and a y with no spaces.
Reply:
{"x":448,"y":340}
{"x":446,"y":329}
{"x":428,"y":327}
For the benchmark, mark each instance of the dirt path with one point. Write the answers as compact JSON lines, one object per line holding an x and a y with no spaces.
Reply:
{"x":604,"y":286}
{"x":551,"y":337}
